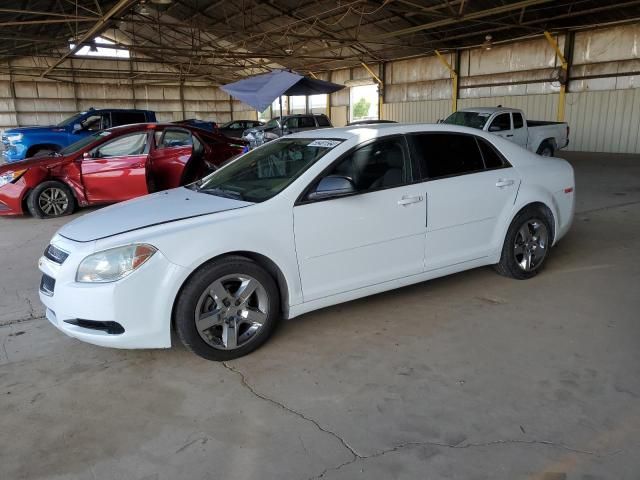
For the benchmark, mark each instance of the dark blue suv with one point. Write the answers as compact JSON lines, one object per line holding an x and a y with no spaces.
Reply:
{"x":25,"y":142}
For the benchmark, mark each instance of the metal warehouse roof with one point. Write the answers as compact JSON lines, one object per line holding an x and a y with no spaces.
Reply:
{"x":228,"y":39}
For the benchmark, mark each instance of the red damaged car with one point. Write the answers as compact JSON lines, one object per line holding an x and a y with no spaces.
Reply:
{"x":111,"y":166}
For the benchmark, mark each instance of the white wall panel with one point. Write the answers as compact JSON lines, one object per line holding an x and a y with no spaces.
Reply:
{"x":606,"y":121}
{"x":428,"y":111}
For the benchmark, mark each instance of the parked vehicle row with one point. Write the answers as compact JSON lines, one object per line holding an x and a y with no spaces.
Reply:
{"x":313,"y":219}
{"x":111,"y":166}
{"x":543,"y":138}
{"x":289,"y":124}
{"x":26,"y":142}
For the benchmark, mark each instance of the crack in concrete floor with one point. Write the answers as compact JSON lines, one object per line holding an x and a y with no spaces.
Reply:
{"x":358,"y":456}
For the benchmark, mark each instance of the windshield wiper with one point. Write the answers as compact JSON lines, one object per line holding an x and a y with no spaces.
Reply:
{"x":221,"y":192}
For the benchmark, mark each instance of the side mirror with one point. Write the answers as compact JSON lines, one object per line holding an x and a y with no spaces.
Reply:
{"x":76,"y":127}
{"x":332,"y":186}
{"x":440,"y":120}
{"x":494,"y":128}
{"x":87,"y":155}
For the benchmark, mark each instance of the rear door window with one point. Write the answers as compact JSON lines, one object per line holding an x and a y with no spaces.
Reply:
{"x":127,"y":118}
{"x":174,"y":138}
{"x":323,"y":121}
{"x":446,"y":154}
{"x":518,"y":121}
{"x":292,"y":123}
{"x":492,"y":159}
{"x":307,"y":122}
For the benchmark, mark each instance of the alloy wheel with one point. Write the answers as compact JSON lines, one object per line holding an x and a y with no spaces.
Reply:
{"x":530,"y":246}
{"x":231,"y":311}
{"x":53,"y":201}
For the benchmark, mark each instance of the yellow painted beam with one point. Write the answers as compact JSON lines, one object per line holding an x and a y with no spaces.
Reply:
{"x":371,"y":72}
{"x":380,"y":87}
{"x":454,"y":81}
{"x":565,"y":66}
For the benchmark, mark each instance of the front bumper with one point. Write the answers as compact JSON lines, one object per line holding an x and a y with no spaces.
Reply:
{"x":139,"y":304}
{"x":11,"y":196}
{"x":13,"y":152}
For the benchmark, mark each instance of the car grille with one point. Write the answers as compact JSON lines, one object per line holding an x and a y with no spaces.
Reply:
{"x":55,"y":254}
{"x":47,"y":285}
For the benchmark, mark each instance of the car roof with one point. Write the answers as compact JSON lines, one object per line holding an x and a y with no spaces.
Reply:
{"x":358,"y":134}
{"x":489,"y":109}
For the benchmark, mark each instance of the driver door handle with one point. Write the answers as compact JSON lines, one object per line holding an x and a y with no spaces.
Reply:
{"x":502,"y":182}
{"x":510,"y":135}
{"x":404,"y":201}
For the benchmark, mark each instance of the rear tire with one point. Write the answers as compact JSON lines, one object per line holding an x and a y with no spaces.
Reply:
{"x":526,"y":245}
{"x":546,"y":149}
{"x":51,"y":199}
{"x":227,"y":309}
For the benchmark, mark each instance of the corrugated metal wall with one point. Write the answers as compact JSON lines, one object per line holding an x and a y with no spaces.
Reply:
{"x":25,"y":100}
{"x":605,"y":121}
{"x":602,"y":106}
{"x":602,"y":110}
{"x":428,"y":111}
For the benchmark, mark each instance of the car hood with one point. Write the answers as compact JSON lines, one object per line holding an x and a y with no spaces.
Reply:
{"x":33,"y":129}
{"x":32,"y":162}
{"x":155,"y":209}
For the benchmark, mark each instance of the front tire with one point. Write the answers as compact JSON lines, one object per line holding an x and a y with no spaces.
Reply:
{"x":50,"y":200}
{"x":526,"y":245}
{"x":227,"y":309}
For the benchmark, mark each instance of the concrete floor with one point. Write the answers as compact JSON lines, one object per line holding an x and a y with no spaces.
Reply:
{"x":473,"y":376}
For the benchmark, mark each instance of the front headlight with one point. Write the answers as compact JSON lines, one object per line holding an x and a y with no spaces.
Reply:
{"x":113,"y":264}
{"x":14,"y":137}
{"x":10,"y":177}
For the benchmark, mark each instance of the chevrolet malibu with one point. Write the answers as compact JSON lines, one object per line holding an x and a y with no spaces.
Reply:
{"x":307,"y":221}
{"x":111,"y":166}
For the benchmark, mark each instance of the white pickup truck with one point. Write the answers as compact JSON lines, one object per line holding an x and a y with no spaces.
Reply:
{"x":543,"y":138}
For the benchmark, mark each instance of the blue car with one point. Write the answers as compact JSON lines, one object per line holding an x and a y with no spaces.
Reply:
{"x":25,"y":142}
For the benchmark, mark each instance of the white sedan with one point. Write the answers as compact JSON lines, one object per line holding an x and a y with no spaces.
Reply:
{"x":301,"y":223}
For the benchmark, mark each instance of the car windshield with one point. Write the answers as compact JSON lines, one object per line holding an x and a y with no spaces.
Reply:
{"x":71,"y":120}
{"x":468,"y":119}
{"x":263,"y":173}
{"x":83,"y":142}
{"x":273,"y":123}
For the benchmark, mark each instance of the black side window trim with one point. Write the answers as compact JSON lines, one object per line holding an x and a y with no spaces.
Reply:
{"x":302,"y":200}
{"x":505,"y":162}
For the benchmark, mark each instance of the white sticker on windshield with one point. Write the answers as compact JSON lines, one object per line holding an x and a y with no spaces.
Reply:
{"x":324,"y":143}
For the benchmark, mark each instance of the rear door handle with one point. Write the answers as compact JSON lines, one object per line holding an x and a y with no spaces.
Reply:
{"x":510,"y":135}
{"x":501,"y":183}
{"x":409,"y":200}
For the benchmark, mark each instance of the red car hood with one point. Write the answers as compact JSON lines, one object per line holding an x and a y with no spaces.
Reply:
{"x":31,"y":163}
